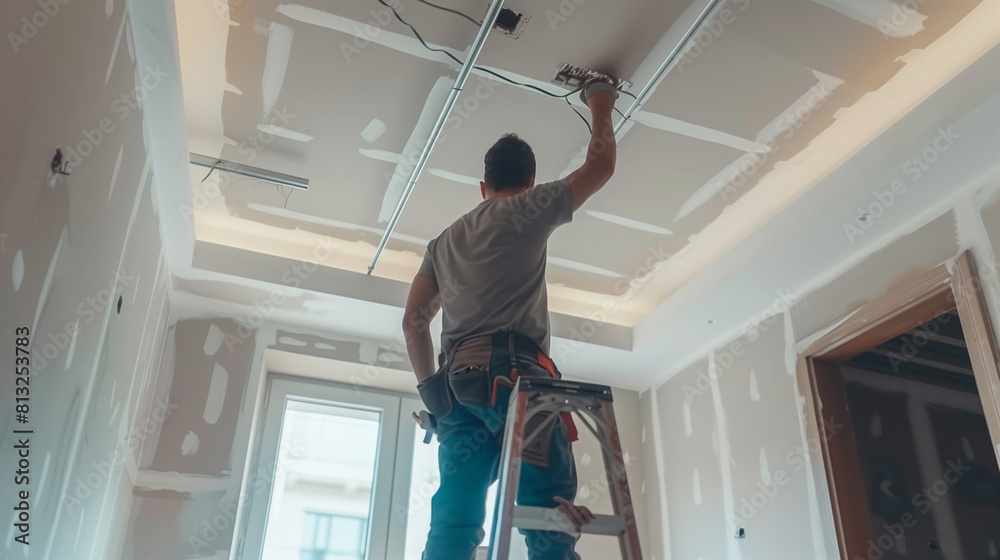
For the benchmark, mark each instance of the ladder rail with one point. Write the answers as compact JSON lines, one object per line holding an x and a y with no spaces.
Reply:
{"x":510,"y":474}
{"x":621,"y":496}
{"x":589,"y":402}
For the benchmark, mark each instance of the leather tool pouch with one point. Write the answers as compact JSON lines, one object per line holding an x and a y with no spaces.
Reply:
{"x":469,"y":372}
{"x":471,"y":386}
{"x":436,"y":394}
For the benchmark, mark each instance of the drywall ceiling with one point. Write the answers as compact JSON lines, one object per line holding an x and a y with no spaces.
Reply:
{"x":344,"y":95}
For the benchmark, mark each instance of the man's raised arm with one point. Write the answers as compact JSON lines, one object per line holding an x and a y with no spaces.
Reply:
{"x":602,"y":151}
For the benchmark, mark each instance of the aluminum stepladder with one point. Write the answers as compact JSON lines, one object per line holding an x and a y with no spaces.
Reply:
{"x":591,"y":403}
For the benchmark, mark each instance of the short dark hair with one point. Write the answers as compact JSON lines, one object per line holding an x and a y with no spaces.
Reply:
{"x":510,"y":163}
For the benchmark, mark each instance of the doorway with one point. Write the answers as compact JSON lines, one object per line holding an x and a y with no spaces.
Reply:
{"x":903,"y":397}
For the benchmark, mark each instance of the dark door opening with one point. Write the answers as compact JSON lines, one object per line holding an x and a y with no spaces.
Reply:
{"x":928,"y":468}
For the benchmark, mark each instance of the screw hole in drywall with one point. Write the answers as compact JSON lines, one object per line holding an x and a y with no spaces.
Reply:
{"x":120,"y":299}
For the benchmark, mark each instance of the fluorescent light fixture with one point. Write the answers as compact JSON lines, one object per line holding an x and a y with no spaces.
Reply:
{"x":250,"y":171}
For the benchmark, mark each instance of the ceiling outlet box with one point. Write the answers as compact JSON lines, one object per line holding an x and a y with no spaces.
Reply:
{"x":510,"y":22}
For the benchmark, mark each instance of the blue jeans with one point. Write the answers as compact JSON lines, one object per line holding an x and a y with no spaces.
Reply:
{"x":468,"y":459}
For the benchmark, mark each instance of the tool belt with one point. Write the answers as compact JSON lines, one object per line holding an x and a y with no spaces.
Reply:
{"x":468,"y":375}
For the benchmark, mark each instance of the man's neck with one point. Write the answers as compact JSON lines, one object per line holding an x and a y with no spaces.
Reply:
{"x":490,"y":194}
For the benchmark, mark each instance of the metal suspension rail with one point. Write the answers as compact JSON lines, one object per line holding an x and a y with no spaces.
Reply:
{"x":662,"y":70}
{"x":250,"y":171}
{"x":463,"y":75}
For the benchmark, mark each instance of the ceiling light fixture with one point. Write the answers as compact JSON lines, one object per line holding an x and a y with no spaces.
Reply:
{"x":463,"y":75}
{"x":250,"y":171}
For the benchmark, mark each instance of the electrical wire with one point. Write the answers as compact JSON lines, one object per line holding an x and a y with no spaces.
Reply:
{"x":415,"y":32}
{"x":451,"y":10}
{"x":217,"y":162}
{"x":581,"y":116}
{"x":488,"y":71}
{"x":282,"y":193}
{"x":480,"y":68}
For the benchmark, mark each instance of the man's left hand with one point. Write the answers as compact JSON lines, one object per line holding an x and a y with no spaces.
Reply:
{"x":577,"y":515}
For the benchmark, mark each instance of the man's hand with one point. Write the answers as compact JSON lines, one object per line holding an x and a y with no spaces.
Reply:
{"x":596,"y":86}
{"x":577,"y":515}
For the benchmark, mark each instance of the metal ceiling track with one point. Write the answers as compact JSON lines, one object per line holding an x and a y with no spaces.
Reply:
{"x":463,"y":75}
{"x":250,"y":171}
{"x":662,"y":70}
{"x":467,"y":68}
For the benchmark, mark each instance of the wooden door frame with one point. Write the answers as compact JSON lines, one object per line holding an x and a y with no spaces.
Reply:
{"x":939,"y":290}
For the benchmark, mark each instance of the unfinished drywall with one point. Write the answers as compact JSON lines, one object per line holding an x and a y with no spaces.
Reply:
{"x":922,"y":250}
{"x":163,"y":518}
{"x":803,"y":108}
{"x":82,"y":271}
{"x":687,"y":435}
{"x":657,"y":518}
{"x":770,"y":478}
{"x":211,"y":367}
{"x":719,"y":473}
{"x":776,"y":488}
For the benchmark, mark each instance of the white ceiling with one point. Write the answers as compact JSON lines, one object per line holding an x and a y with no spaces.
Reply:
{"x":779,"y":73}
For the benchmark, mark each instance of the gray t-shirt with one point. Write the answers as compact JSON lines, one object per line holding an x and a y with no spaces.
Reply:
{"x":490,"y":265}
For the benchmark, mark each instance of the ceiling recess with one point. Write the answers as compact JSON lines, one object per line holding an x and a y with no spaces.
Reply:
{"x":511,"y":23}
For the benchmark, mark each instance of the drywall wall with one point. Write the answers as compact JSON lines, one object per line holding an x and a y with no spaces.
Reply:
{"x":749,"y":406}
{"x":80,"y":256}
{"x":206,"y":388}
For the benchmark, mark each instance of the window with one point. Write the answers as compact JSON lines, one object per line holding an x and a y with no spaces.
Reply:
{"x":424,"y":481}
{"x":342,"y":474}
{"x":333,"y":537}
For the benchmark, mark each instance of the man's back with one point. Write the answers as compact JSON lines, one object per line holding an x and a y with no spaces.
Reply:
{"x":490,"y":265}
{"x":487,"y":271}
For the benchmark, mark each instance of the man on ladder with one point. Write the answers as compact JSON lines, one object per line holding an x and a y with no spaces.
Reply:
{"x":487,"y":271}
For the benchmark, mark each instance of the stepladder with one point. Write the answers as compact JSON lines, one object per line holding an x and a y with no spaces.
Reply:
{"x":593,"y":406}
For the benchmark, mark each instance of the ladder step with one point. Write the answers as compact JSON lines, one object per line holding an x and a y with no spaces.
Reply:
{"x":559,"y":386}
{"x":551,"y":519}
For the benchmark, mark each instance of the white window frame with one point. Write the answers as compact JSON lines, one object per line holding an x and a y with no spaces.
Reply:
{"x":391,"y":483}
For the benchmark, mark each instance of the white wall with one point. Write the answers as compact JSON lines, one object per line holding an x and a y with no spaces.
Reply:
{"x":70,"y":248}
{"x":740,"y":401}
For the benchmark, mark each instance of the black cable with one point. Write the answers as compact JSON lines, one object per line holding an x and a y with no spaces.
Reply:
{"x":217,"y":162}
{"x":504,"y":78}
{"x":581,"y":117}
{"x":480,"y":68}
{"x":282,"y":193}
{"x":508,"y":80}
{"x":456,"y":12}
{"x":415,"y":32}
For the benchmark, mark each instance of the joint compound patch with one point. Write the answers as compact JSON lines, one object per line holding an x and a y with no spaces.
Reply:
{"x":373,"y":131}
